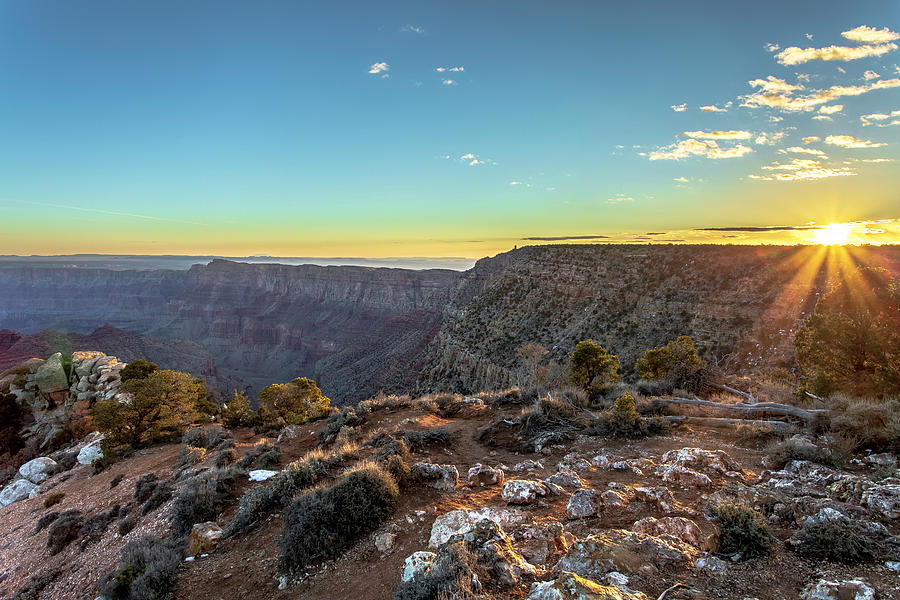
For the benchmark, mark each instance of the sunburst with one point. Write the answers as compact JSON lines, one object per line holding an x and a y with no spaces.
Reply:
{"x":833,"y":234}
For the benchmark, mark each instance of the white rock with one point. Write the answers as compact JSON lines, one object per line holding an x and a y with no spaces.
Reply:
{"x":583,"y":503}
{"x":527,"y":465}
{"x":712,"y":565}
{"x":416,"y":565}
{"x":35,"y":470}
{"x":384,"y":542}
{"x":885,"y":499}
{"x":522,"y":491}
{"x":852,"y":589}
{"x":482,"y":475}
{"x":91,"y":452}
{"x":463,"y":521}
{"x":441,"y":477}
{"x":261,"y":474}
{"x":15,"y":491}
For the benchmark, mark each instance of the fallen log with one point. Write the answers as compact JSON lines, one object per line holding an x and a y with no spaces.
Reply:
{"x":772,"y":408}
{"x":775,"y":426}
{"x":749,"y":397}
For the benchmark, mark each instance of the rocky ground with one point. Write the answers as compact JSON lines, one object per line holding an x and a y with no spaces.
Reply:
{"x":592,"y":516}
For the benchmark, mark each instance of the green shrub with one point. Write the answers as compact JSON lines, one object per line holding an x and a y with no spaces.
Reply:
{"x":44,"y":521}
{"x":346,"y":417}
{"x":296,"y":402}
{"x":225,"y":457}
{"x":190,"y":455}
{"x":454,"y":574}
{"x":270,"y":458}
{"x":64,"y":530}
{"x":417,"y":441}
{"x":138,"y":369}
{"x":53,"y":499}
{"x":162,"y":493}
{"x":200,"y":499}
{"x":872,"y":423}
{"x":322,"y":523}
{"x":780,"y":453}
{"x":239,"y":413}
{"x":143,"y":487}
{"x":592,"y":367}
{"x":742,"y":530}
{"x":126,"y":524}
{"x":36,"y":584}
{"x":843,"y":542}
{"x":623,"y":420}
{"x":95,"y":526}
{"x":147,"y":570}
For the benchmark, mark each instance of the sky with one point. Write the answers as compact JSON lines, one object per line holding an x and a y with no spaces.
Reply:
{"x":444,"y":129}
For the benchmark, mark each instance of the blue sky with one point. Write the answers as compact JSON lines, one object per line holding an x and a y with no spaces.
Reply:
{"x":273,"y":127}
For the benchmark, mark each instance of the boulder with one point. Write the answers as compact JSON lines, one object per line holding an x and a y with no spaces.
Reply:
{"x":527,"y":466}
{"x":625,"y":551}
{"x":83,"y":362}
{"x":384,"y":542}
{"x":565,"y":478}
{"x":91,"y":452}
{"x":569,"y":586}
{"x":883,"y":498}
{"x":583,"y":503}
{"x":852,"y":589}
{"x":417,"y":565}
{"x":38,"y":470}
{"x":441,"y":477}
{"x":538,"y":542}
{"x":678,"y":527}
{"x":494,"y":550}
{"x":658,"y":496}
{"x":51,"y":377}
{"x":698,"y":459}
{"x":613,"y":499}
{"x":522,"y":491}
{"x":482,"y":475}
{"x":204,"y":538}
{"x":15,"y":491}
{"x":711,"y":565}
{"x":462,"y":521}
{"x":683,"y":476}
{"x":884,"y":459}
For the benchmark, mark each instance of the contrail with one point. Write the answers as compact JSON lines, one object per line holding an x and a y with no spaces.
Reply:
{"x":106,"y":212}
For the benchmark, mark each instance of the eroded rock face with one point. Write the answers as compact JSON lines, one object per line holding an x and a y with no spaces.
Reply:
{"x":853,"y":589}
{"x":462,"y":521}
{"x":523,"y":491}
{"x":91,"y":452}
{"x":698,"y":459}
{"x":538,"y":542}
{"x":20,"y":489}
{"x":37,"y":470}
{"x":569,"y":586}
{"x":416,"y":565}
{"x":626,"y":552}
{"x":50,"y":376}
{"x":884,"y":498}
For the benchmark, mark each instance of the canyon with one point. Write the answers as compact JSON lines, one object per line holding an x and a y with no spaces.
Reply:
{"x":361,"y":330}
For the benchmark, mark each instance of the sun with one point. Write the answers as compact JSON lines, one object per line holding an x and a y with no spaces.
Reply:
{"x":833,"y":234}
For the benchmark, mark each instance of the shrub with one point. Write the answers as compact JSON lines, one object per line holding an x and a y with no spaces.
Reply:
{"x":225,"y":457}
{"x":346,"y":417}
{"x":143,"y":487}
{"x":780,"y":453}
{"x":126,"y":524}
{"x":138,"y":369}
{"x":162,"y":493}
{"x":296,"y":402}
{"x":388,"y":446}
{"x":624,"y":421}
{"x":874,"y":424}
{"x":239,"y":413}
{"x":45,"y":521}
{"x":36,"y":584}
{"x":742,"y":530}
{"x":843,"y":542}
{"x":116,"y":480}
{"x":10,"y":424}
{"x":454,"y":574}
{"x":53,"y":499}
{"x":247,"y":461}
{"x":190,"y":455}
{"x":322,"y":523}
{"x":201,"y":499}
{"x":146,"y":571}
{"x":592,"y":367}
{"x":270,"y":458}
{"x":419,"y":440}
{"x":64,"y":530}
{"x":163,"y":403}
{"x":675,"y":361}
{"x":95,"y":526}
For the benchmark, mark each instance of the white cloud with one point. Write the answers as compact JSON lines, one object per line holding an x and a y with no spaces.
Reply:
{"x":682,"y":179}
{"x":449,"y":82}
{"x":809,"y":36}
{"x":877,"y":160}
{"x":831,"y":109}
{"x":619,"y":198}
{"x":870,"y":35}
{"x":796,"y":56}
{"x":776,"y":93}
{"x":811,"y":138}
{"x":412,"y":29}
{"x":881,"y":119}
{"x":449,"y":69}
{"x":379,"y":67}
{"x":772,"y":47}
{"x":769,"y":139}
{"x":718,"y":135}
{"x":848,"y":141}
{"x":679,"y":107}
{"x":692,"y":147}
{"x":712,"y":108}
{"x":473,"y":160}
{"x":803,"y":150}
{"x":802,"y":169}
{"x":870,"y":75}
{"x":822,"y":118}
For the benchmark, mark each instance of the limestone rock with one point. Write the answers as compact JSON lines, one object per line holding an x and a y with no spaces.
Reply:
{"x":441,"y":477}
{"x":884,"y":498}
{"x":613,"y":499}
{"x":565,"y":478}
{"x":683,"y":476}
{"x":91,"y":452}
{"x":204,"y":537}
{"x":15,"y":491}
{"x":884,"y":459}
{"x":261,"y":474}
{"x":384,"y":542}
{"x":711,"y":565}
{"x":678,"y":527}
{"x":852,"y":589}
{"x":659,"y":496}
{"x":537,"y":542}
{"x":483,"y":475}
{"x":569,"y":586}
{"x":626,"y":552}
{"x":416,"y":565}
{"x":462,"y":521}
{"x":37,"y":470}
{"x":522,"y":491}
{"x":50,"y":376}
{"x":83,"y":362}
{"x":698,"y":459}
{"x":583,"y":503}
{"x":527,"y":466}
